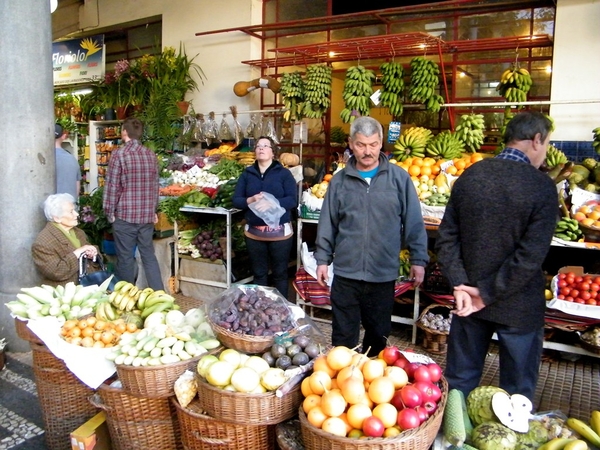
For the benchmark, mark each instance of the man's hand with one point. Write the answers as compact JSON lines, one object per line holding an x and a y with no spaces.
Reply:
{"x":467,"y":300}
{"x":417,"y":274}
{"x":322,"y":275}
{"x":155,"y":218}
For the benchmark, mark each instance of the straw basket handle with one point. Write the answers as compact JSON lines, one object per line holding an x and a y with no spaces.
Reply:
{"x":210,"y":440}
{"x":95,"y":400}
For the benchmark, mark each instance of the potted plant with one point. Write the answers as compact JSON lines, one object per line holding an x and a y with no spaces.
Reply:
{"x":92,"y":219}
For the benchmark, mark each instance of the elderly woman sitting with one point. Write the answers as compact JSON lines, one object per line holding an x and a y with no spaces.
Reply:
{"x":59,"y":245}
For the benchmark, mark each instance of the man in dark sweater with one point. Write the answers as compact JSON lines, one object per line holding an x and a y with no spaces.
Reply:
{"x":493,"y":239}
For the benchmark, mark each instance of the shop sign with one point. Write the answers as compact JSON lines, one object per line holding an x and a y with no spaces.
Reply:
{"x":77,"y":61}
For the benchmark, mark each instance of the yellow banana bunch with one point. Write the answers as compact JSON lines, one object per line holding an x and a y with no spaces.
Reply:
{"x":554,"y":157}
{"x":292,"y":91}
{"x":587,"y":432}
{"x":424,"y":82}
{"x":412,"y":142}
{"x":392,"y":90}
{"x":317,"y":91}
{"x":514,"y":84}
{"x":358,"y":87}
{"x":470,"y":130}
{"x":445,"y":145}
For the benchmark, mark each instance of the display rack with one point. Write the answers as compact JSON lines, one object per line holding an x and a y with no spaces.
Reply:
{"x":104,"y":137}
{"x":228,"y":213}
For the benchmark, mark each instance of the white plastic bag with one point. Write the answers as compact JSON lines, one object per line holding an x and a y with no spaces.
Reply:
{"x":268,"y":209}
{"x":310,"y":264}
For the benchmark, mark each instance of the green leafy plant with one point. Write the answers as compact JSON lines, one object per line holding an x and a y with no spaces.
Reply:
{"x":91,"y":217}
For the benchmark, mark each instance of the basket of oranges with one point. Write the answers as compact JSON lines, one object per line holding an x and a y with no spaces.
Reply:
{"x":91,"y":332}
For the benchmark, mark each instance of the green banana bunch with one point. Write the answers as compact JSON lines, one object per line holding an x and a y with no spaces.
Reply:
{"x":358,"y":87}
{"x":317,"y":91}
{"x":568,"y":229}
{"x":437,"y":199}
{"x":470,"y":130}
{"x":445,"y":145}
{"x":404,"y":271}
{"x":292,"y":91}
{"x":508,"y":114}
{"x":106,"y":312}
{"x":514,"y":84}
{"x":412,"y":142}
{"x":424,"y":82}
{"x":554,"y":157}
{"x":596,"y":142}
{"x":392,"y":90}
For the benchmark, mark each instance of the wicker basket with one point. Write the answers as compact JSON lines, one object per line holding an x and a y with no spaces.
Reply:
{"x":242,"y":342}
{"x":202,"y":432}
{"x":135,"y":423}
{"x":247,"y":409}
{"x":420,"y":438}
{"x":62,"y":397}
{"x":435,"y":341}
{"x":155,"y":381}
{"x":25,"y":333}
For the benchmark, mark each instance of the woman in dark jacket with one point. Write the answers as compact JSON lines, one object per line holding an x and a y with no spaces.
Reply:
{"x":269,"y":248}
{"x":59,"y":245}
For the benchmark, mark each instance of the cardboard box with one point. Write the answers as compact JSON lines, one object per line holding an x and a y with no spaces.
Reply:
{"x":575,"y":309}
{"x":163,"y":223}
{"x":92,"y":435}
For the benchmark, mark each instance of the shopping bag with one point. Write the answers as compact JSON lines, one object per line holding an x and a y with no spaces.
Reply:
{"x":98,"y":277}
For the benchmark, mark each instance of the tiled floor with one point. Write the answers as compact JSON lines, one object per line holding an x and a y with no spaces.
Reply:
{"x":569,"y":383}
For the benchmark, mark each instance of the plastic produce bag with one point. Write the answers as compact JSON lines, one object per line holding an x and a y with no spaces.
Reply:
{"x":185,"y":388}
{"x":225,"y":133}
{"x":268,"y":129}
{"x":253,"y":129}
{"x":238,"y":133}
{"x":268,"y":209}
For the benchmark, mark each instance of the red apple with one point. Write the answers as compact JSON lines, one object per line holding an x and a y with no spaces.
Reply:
{"x":373,"y":426}
{"x":408,"y":418}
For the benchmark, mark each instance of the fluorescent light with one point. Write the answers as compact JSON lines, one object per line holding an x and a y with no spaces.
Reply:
{"x":53,"y":5}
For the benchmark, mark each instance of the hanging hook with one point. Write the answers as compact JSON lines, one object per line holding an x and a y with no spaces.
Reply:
{"x":516,"y":57}
{"x":393,"y":53}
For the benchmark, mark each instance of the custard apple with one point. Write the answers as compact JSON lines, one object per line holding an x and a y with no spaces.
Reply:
{"x":534,"y":438}
{"x":479,"y":404}
{"x":494,"y":436}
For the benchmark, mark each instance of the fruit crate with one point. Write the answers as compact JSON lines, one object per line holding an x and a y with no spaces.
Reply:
{"x":306,"y":213}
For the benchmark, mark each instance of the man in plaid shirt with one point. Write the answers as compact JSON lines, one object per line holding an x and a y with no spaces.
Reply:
{"x":130,"y":202}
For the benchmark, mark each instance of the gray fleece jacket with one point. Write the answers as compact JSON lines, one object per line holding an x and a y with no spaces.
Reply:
{"x":362,"y":227}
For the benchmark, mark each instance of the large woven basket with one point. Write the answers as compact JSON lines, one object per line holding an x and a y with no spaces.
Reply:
{"x":247,"y":409}
{"x":242,"y":342}
{"x":136,"y":423}
{"x":62,"y":397}
{"x":25,"y":333}
{"x":435,"y":341}
{"x":155,"y":381}
{"x":420,"y":438}
{"x":200,"y":431}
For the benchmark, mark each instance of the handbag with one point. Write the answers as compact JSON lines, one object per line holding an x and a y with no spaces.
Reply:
{"x":98,"y":277}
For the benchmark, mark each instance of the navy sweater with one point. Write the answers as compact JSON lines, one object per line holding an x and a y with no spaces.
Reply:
{"x":277,"y":180}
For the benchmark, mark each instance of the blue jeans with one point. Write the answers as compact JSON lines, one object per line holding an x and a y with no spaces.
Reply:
{"x":273,"y":254}
{"x":520,"y":355}
{"x":355,"y":301}
{"x":127,"y":236}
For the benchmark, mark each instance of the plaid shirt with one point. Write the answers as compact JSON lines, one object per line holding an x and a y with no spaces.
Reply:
{"x":513,"y":154}
{"x":131,"y":188}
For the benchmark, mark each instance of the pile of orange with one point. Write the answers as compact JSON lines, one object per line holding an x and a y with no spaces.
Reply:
{"x":91,"y":332}
{"x":430,"y":167}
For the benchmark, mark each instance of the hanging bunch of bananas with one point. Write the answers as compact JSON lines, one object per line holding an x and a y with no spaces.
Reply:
{"x":596,"y":142}
{"x":554,"y":157}
{"x":317,"y":91}
{"x":392,"y":87}
{"x":470,"y":130}
{"x":412,"y":142}
{"x":293,"y":92}
{"x":424,"y":82}
{"x":508,"y":114}
{"x":445,"y":145}
{"x":358,"y":87}
{"x":515,"y":84}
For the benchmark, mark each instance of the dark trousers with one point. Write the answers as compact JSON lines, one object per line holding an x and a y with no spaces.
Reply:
{"x":520,"y":355}
{"x":355,"y":301}
{"x":127,"y":236}
{"x":273,"y":254}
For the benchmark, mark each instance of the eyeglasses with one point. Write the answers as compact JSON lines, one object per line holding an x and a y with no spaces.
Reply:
{"x":263,"y":146}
